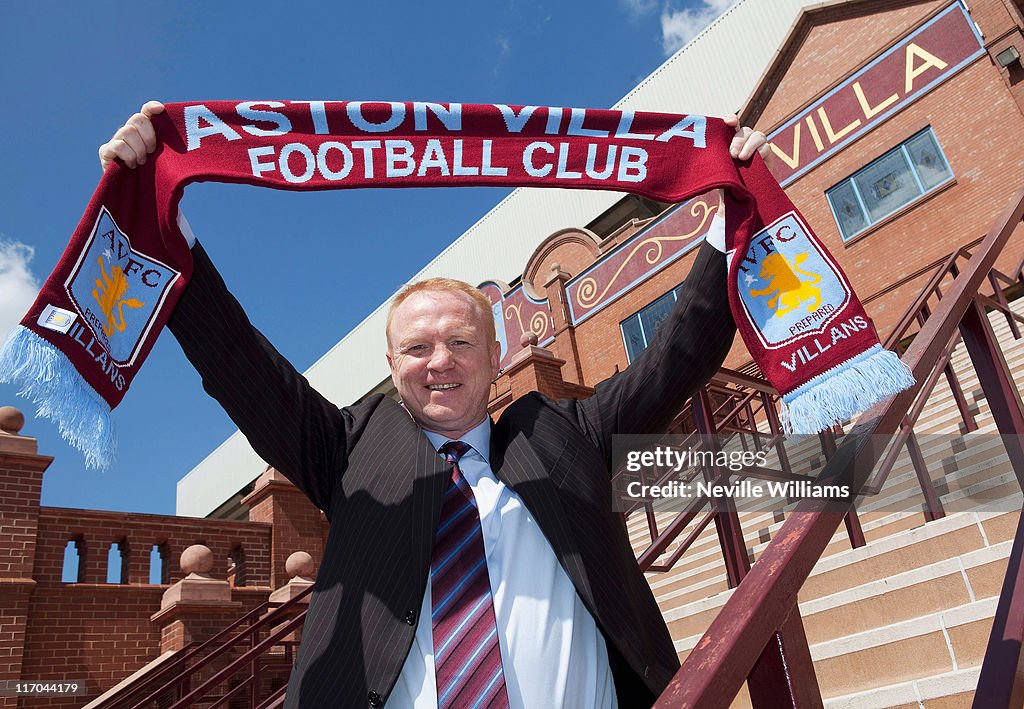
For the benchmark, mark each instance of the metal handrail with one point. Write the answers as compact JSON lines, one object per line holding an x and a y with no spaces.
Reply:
{"x":274,"y":700}
{"x":218,"y":645}
{"x":721,"y":661}
{"x":188,"y":652}
{"x":172,"y":664}
{"x":689,"y":439}
{"x":913,"y":414}
{"x":660,"y":542}
{"x":915,"y":275}
{"x":254,"y":653}
{"x":911,"y":314}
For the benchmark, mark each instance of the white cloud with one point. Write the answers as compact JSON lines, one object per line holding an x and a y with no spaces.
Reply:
{"x":680,"y":26}
{"x":639,"y":8}
{"x":18,"y":287}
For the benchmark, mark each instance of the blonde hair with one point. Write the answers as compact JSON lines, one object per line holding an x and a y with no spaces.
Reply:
{"x":445,"y":285}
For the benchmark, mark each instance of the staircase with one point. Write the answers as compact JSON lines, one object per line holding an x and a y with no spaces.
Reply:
{"x":904,"y":620}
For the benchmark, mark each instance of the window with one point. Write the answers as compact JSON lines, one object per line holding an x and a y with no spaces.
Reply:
{"x":908,"y":171}
{"x":638,"y":329}
{"x":73,"y":570}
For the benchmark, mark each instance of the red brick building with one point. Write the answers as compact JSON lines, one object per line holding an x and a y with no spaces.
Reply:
{"x":895,"y":128}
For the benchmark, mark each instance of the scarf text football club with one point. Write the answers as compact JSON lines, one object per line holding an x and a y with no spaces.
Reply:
{"x":98,"y":314}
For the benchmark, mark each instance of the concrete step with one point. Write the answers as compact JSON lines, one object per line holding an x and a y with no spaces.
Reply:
{"x":949,"y":690}
{"x":946,"y":583}
{"x":940,"y":643}
{"x":698,"y":569}
{"x":969,"y":469}
{"x":928,"y":544}
{"x":687,"y":583}
{"x":921,"y":591}
{"x":940,"y":452}
{"x":910,"y":594}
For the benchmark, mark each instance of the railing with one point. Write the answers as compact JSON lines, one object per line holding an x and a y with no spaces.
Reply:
{"x":732,"y":407}
{"x":758,"y":637}
{"x":94,"y":531}
{"x":252,"y":637}
{"x":749,"y":406}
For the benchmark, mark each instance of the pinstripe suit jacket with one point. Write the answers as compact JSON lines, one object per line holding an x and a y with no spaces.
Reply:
{"x":375,"y":475}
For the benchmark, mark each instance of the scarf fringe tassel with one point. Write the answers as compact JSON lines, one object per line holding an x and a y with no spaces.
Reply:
{"x":50,"y":381}
{"x":847,"y":389}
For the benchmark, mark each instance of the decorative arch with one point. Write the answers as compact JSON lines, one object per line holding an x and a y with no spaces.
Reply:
{"x":573,"y":249}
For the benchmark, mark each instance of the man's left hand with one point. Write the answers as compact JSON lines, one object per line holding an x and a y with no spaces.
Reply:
{"x":746,"y":141}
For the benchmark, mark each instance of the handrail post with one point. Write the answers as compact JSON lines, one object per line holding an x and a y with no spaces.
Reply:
{"x":1000,"y":298}
{"x":854,"y":530}
{"x":961,"y":401}
{"x":254,"y":680}
{"x":652,"y":520}
{"x":933,"y":508}
{"x":996,"y":382}
{"x":776,"y":428}
{"x":954,"y":383}
{"x":1000,"y":683}
{"x":754,"y":434}
{"x":784,"y":672}
{"x":727,"y":519}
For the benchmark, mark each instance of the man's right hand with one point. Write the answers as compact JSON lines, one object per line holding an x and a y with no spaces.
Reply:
{"x":135,"y":140}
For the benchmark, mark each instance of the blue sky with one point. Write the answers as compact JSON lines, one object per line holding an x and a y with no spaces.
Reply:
{"x":307,"y":266}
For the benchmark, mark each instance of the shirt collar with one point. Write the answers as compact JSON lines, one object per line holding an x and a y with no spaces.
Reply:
{"x":479,"y":438}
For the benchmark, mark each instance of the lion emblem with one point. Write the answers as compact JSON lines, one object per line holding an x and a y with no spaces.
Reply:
{"x":109,"y":293}
{"x":785,"y":288}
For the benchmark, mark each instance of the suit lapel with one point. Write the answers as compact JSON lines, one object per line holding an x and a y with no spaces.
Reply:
{"x":430,"y":476}
{"x":516,"y":464}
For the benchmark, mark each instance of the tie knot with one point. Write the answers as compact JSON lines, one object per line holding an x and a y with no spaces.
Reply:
{"x":453,"y":450}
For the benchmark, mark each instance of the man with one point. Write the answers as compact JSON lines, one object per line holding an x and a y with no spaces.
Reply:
{"x":498,"y":574}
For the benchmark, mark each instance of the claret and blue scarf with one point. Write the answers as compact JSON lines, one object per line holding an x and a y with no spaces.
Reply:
{"x":96,"y":318}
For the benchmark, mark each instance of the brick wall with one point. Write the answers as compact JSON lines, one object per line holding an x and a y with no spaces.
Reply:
{"x":94,"y":632}
{"x":21,"y":477}
{"x":296,"y":524}
{"x":97,"y":530}
{"x":100,"y":633}
{"x":975,"y":117}
{"x":842,"y":39}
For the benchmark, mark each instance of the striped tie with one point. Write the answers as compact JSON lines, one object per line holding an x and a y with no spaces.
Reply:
{"x":467,"y":659}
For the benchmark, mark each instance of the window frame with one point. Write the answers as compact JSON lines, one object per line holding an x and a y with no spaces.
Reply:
{"x":923,"y":194}
{"x":640,"y":323}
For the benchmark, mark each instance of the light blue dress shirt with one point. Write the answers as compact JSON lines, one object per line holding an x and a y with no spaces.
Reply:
{"x":553,"y":655}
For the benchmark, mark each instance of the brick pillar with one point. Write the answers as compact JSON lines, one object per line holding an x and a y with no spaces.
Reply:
{"x":21,"y":480}
{"x":138,"y":564}
{"x":197,"y":607}
{"x":296,"y":525}
{"x":564,"y":346}
{"x":300,"y":567}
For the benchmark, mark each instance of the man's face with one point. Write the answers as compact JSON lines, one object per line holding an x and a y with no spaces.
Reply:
{"x":441,"y":361}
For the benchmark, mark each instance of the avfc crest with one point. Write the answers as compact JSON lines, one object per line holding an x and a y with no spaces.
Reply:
{"x":788,"y":284}
{"x":118,"y":290}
